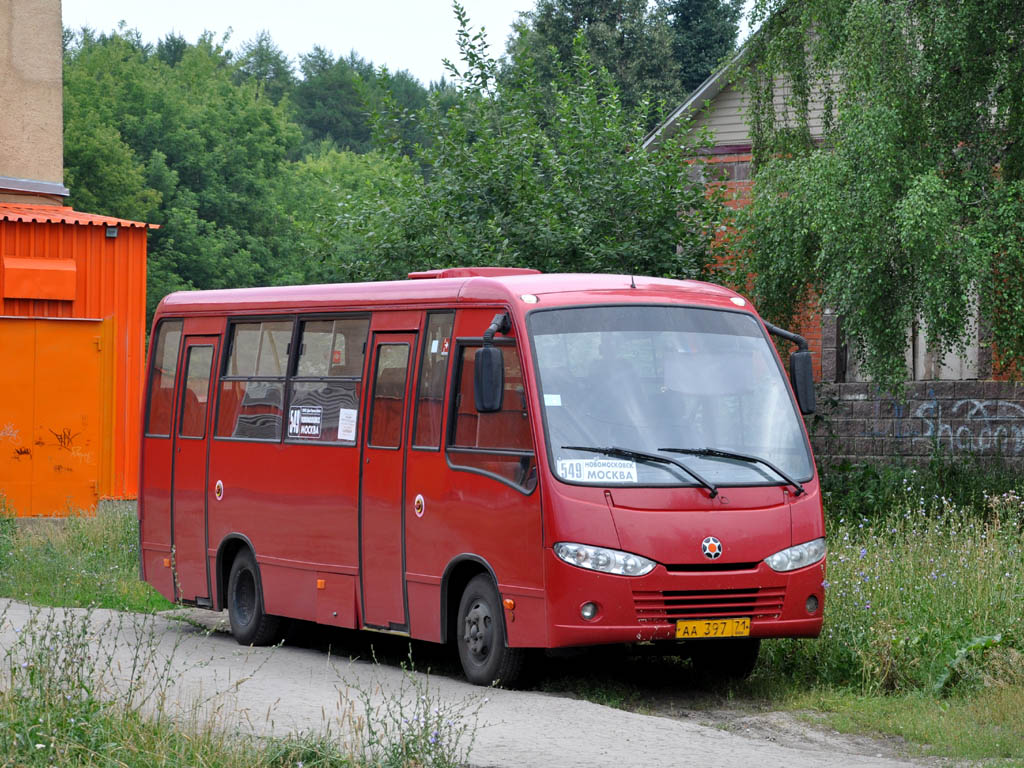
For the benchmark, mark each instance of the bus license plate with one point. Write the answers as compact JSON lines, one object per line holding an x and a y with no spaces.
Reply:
{"x":713,"y":628}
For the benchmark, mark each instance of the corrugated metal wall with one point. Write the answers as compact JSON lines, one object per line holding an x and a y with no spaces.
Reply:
{"x":109,"y":283}
{"x":53,"y":444}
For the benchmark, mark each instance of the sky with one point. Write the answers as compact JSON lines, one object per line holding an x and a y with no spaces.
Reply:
{"x":403,"y":34}
{"x":414,"y":35}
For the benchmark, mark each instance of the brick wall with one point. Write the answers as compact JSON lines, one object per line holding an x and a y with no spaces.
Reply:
{"x":733,"y":163}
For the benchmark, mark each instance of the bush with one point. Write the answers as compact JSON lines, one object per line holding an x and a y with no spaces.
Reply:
{"x":874,"y":490}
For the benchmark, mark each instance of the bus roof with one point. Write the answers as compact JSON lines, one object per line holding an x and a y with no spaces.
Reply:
{"x":480,"y":285}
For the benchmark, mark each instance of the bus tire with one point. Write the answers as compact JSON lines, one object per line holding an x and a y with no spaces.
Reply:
{"x":481,"y":639}
{"x":250,"y":624}
{"x":717,"y":660}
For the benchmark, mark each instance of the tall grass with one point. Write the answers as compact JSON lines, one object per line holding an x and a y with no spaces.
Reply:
{"x":69,"y":698}
{"x":928,"y":598}
{"x":78,"y":561}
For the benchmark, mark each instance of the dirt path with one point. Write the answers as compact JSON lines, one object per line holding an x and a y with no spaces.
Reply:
{"x":288,"y":689}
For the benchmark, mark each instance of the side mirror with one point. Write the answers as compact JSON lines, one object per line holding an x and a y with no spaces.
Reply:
{"x":488,"y":379}
{"x":801,"y":375}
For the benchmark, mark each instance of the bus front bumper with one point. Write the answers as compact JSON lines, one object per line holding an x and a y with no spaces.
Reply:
{"x":648,"y":608}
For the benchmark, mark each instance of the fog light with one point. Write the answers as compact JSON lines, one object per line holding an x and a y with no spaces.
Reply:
{"x":812,"y":604}
{"x":588,"y":611}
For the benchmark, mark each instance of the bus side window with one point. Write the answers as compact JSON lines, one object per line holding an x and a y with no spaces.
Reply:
{"x":197,"y":388}
{"x":323,"y":400}
{"x":498,"y":443}
{"x":161,"y":379}
{"x":252,"y":387}
{"x":389,"y":396}
{"x":430,"y":391}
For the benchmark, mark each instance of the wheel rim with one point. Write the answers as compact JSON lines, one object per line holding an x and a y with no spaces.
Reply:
{"x":479,"y":632}
{"x":245,"y":596}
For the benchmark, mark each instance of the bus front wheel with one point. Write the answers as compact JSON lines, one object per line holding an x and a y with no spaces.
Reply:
{"x":250,"y":624}
{"x":480,"y":635}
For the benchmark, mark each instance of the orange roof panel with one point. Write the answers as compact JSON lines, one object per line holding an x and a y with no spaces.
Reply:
{"x":62,"y":214}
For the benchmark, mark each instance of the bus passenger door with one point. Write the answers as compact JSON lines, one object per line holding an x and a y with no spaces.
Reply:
{"x":188,"y":493}
{"x":382,"y":547}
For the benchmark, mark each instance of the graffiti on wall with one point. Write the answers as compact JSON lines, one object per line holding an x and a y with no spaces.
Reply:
{"x":973,"y":426}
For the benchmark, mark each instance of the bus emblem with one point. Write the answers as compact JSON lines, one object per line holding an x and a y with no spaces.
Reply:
{"x":711,"y":547}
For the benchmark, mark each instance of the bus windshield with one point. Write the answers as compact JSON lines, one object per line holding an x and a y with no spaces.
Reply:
{"x":690,"y":384}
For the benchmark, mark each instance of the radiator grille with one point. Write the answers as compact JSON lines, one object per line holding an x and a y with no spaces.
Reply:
{"x":702,"y":604}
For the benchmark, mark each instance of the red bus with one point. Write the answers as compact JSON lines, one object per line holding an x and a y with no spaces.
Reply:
{"x":496,"y":458}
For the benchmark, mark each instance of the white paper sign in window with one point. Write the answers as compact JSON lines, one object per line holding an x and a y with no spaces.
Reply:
{"x":347,"y":424}
{"x":597,"y":470}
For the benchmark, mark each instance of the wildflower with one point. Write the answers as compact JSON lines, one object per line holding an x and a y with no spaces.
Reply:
{"x":433,"y":737}
{"x":825,"y":584}
{"x":863,"y":553}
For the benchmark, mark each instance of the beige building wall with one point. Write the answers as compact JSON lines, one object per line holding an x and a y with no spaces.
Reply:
{"x":727,"y":122}
{"x":31,"y":119}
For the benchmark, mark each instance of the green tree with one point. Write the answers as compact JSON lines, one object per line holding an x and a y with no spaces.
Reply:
{"x":913,"y":207}
{"x":184,"y":147}
{"x":262,"y":62}
{"x":170,"y":49}
{"x":314,"y":189}
{"x":660,"y":49}
{"x":334,"y":99}
{"x":629,"y":38}
{"x":503,"y":186}
{"x":703,"y":33}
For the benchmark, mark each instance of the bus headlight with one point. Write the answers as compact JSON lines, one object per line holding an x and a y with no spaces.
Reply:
{"x":604,"y":560}
{"x":797,"y":557}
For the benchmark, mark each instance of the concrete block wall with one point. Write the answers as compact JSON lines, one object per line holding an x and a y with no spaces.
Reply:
{"x":857,"y":422}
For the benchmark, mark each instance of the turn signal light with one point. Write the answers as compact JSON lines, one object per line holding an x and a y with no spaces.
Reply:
{"x":509,"y":603}
{"x":321,"y":583}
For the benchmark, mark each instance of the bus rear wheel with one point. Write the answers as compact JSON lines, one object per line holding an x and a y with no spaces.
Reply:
{"x":481,"y":639}
{"x":250,"y":624}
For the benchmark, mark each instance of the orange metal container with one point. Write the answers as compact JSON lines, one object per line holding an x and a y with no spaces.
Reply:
{"x":58,"y":263}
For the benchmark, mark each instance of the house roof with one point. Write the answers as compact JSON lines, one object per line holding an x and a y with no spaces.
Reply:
{"x":706,"y":91}
{"x":63,"y":214}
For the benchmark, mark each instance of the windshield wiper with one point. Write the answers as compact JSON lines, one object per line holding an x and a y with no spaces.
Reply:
{"x":652,"y":458}
{"x":739,"y":457}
